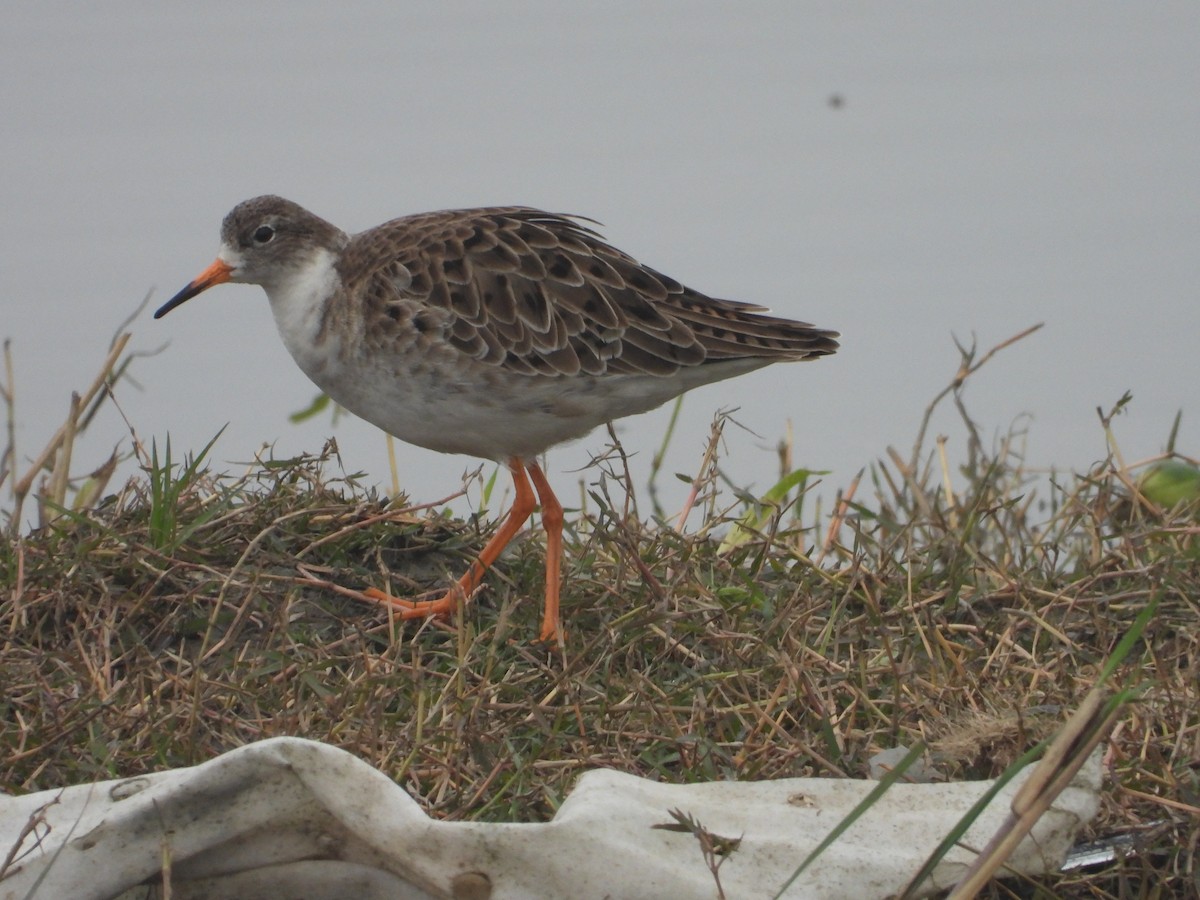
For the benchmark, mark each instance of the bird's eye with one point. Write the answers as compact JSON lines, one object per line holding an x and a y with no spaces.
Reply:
{"x":263,"y":234}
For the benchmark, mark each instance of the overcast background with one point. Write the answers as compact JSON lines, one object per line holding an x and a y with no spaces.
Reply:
{"x":902,"y":173}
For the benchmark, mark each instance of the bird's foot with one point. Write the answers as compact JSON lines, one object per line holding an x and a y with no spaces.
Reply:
{"x":552,"y":634}
{"x":418,"y":609}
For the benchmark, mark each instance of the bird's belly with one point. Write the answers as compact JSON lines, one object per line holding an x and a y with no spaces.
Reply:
{"x":490,"y":417}
{"x":462,"y":406}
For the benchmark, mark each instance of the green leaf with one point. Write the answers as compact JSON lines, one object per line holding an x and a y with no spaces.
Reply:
{"x":761,"y":511}
{"x":319,"y":403}
{"x":1171,"y":483}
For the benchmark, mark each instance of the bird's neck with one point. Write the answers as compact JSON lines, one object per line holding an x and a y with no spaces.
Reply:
{"x":299,"y":302}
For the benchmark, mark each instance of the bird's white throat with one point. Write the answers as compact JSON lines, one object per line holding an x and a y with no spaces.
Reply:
{"x":298,"y":298}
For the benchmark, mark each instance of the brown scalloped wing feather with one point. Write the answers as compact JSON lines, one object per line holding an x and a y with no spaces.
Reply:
{"x":539,"y":293}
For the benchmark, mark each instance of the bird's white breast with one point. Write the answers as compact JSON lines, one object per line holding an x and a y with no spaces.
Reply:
{"x":298,"y":303}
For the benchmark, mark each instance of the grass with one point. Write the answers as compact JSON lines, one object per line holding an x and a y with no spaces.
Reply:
{"x":970,"y":607}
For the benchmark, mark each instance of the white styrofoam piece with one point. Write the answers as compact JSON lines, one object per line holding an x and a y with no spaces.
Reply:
{"x":294,"y":818}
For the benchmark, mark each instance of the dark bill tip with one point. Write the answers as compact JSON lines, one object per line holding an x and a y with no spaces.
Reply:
{"x":178,"y":300}
{"x":218,"y":273}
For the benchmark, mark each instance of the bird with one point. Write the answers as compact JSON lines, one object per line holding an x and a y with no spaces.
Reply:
{"x":496,"y":332}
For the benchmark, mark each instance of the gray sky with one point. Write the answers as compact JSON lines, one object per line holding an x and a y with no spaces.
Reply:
{"x":991,"y":166}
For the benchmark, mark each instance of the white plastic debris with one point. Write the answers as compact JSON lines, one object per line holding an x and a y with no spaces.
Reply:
{"x":295,"y":818}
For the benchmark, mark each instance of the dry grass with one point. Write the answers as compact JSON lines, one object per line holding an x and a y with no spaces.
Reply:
{"x":963,"y":612}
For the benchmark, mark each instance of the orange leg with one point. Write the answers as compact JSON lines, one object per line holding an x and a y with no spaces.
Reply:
{"x":522,"y":509}
{"x":552,"y":521}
